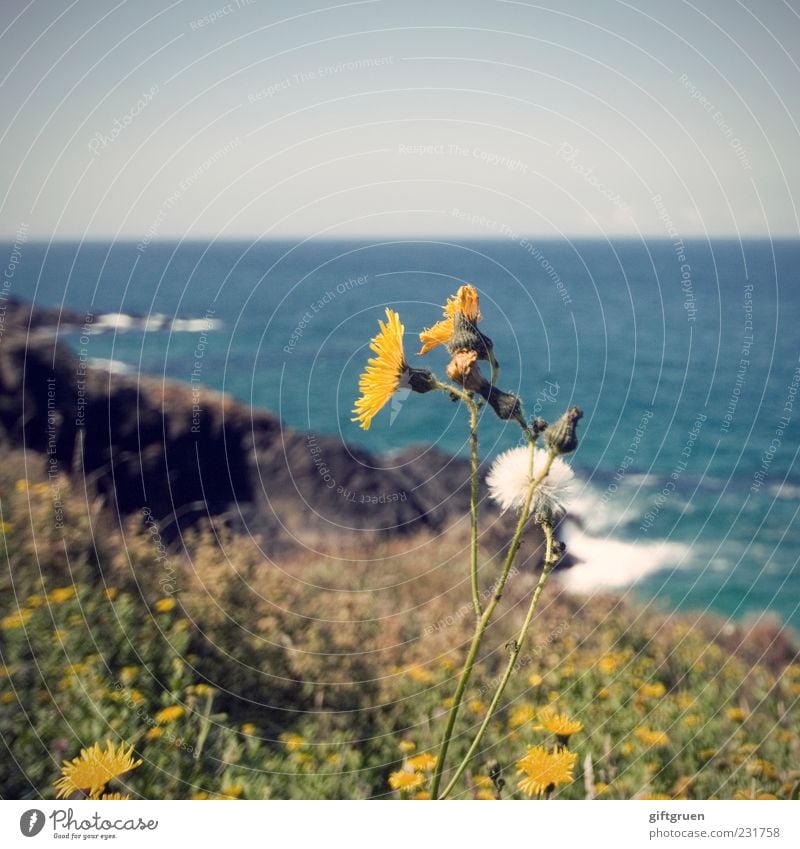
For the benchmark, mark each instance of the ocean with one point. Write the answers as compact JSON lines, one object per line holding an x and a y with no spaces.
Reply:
{"x":684,"y":356}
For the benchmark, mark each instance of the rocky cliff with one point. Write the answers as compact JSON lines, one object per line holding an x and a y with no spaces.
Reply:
{"x":142,"y":442}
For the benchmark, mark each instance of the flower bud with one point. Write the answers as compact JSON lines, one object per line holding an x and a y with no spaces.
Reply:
{"x":561,"y":437}
{"x":420,"y":379}
{"x":466,"y":336}
{"x":506,"y":405}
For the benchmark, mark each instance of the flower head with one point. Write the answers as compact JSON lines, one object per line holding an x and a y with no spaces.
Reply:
{"x":169,"y":714}
{"x":422,"y":763}
{"x":509,"y":479}
{"x":403,"y":780}
{"x":466,"y":302}
{"x":559,"y":724}
{"x":164,"y":605}
{"x":94,"y":768}
{"x":383,"y":373}
{"x":543,"y":770}
{"x":652,"y":738}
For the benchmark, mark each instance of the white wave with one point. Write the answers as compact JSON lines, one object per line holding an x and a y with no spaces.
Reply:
{"x":113,"y":366}
{"x":611,"y":563}
{"x":195,"y":325}
{"x":113,"y":321}
{"x":787,"y":491}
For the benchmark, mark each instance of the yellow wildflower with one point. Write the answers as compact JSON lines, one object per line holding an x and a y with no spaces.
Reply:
{"x":521,"y":715}
{"x":534,"y":679}
{"x":94,"y":768}
{"x":652,"y":691}
{"x":543,"y":770}
{"x":164,"y":605}
{"x":111,"y":593}
{"x":6,"y":527}
{"x":383,"y":373}
{"x":293,"y":742}
{"x":169,"y":714}
{"x":421,"y":795}
{"x":559,"y":723}
{"x":422,"y":763}
{"x":406,"y":781}
{"x":736,"y":714}
{"x":16,"y":620}
{"x":476,"y":706}
{"x":406,"y":746}
{"x":420,"y":675}
{"x":464,"y":301}
{"x":60,"y":595}
{"x":249,"y":729}
{"x":233,"y":791}
{"x":153,"y":733}
{"x":650,"y":737}
{"x":115,"y":797}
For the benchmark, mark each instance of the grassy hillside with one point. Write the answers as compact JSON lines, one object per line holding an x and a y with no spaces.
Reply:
{"x":234,"y":676}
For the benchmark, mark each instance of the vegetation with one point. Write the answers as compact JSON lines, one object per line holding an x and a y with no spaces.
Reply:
{"x":331,"y":677}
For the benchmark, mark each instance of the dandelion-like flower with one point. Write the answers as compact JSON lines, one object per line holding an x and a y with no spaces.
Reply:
{"x":466,"y":302}
{"x":422,"y":763}
{"x":543,"y":771}
{"x":559,"y":724}
{"x":652,"y":738}
{"x":406,"y":780}
{"x":509,"y":479}
{"x":94,"y":768}
{"x":169,"y":714}
{"x":383,"y":373}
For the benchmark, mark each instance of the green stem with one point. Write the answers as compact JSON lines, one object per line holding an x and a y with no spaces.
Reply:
{"x":483,"y":622}
{"x":547,"y":568}
{"x":473,"y":507}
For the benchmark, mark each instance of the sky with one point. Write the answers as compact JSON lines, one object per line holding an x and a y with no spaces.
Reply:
{"x":252,"y":119}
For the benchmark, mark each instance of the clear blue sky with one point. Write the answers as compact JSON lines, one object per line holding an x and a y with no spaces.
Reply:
{"x":145,"y":119}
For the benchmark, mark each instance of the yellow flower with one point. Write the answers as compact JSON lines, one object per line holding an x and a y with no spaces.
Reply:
{"x":656,"y":797}
{"x":486,"y":795}
{"x":5,"y":527}
{"x":752,"y":794}
{"x":34,"y":601}
{"x":521,"y":715}
{"x":559,"y":723}
{"x":200,"y":689}
{"x":464,"y":301}
{"x":652,"y":691}
{"x":420,"y":675}
{"x":422,"y":763}
{"x":128,"y":673}
{"x":293,"y":742}
{"x":476,"y":706}
{"x":16,"y":620}
{"x":534,"y":679}
{"x":233,"y":791}
{"x":115,"y":797}
{"x":736,"y":714}
{"x":21,"y":486}
{"x":406,"y":746}
{"x":406,"y":780}
{"x":383,"y":373}
{"x":608,"y":663}
{"x":761,"y":768}
{"x":249,"y":729}
{"x":93,"y":769}
{"x":111,"y":593}
{"x":169,"y":714}
{"x":60,"y":595}
{"x":164,"y":605}
{"x":603,"y":693}
{"x":545,"y":770}
{"x":652,"y":738}
{"x":153,"y":733}
{"x":691,"y":719}
{"x":421,"y":796}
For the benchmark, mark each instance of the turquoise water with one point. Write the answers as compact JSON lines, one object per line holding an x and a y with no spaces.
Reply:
{"x":684,"y":358}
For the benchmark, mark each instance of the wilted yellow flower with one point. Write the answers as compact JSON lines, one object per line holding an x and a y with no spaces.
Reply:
{"x":521,"y":715}
{"x":406,"y":781}
{"x":422,"y":763}
{"x":169,"y":714}
{"x":383,"y":373}
{"x":559,"y":723}
{"x":16,"y":620}
{"x":543,"y":770}
{"x":94,"y":768}
{"x":652,"y":738}
{"x":60,"y":595}
{"x":164,"y":605}
{"x":464,"y":301}
{"x":761,"y":768}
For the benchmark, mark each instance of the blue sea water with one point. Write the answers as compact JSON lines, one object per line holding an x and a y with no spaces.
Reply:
{"x":683,"y":355}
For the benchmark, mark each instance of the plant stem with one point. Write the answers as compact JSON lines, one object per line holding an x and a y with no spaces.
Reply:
{"x":547,"y":568}
{"x":473,"y":507}
{"x":483,"y":622}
